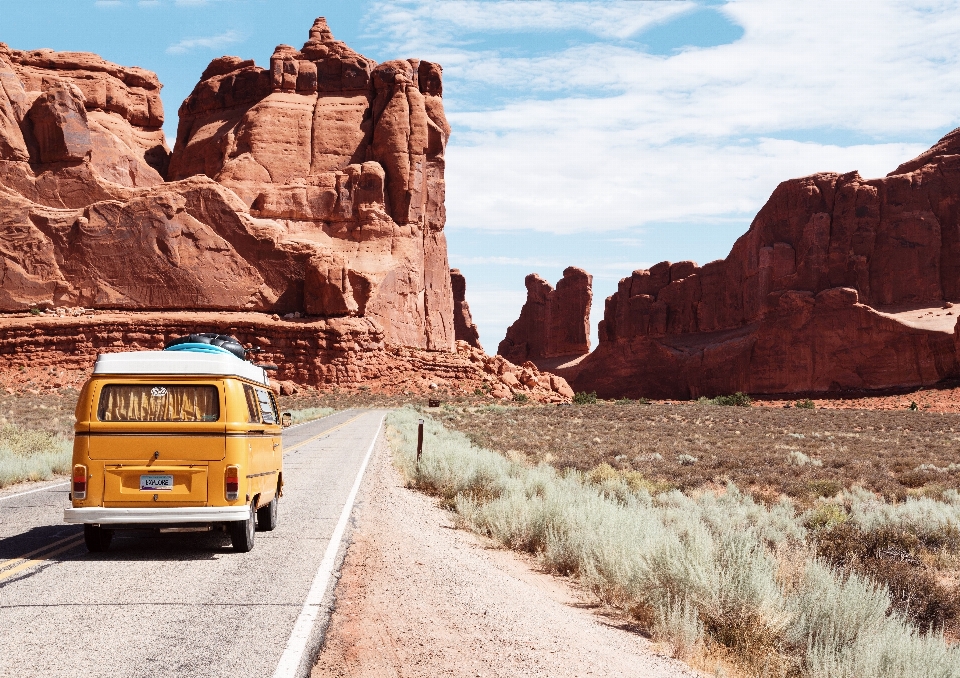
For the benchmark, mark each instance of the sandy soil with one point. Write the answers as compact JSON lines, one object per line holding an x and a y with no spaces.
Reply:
{"x":420,"y":598}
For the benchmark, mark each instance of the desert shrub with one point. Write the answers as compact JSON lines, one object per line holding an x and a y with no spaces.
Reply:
{"x":738,"y":399}
{"x":824,"y":487}
{"x":805,"y":404}
{"x":520,"y":398}
{"x":936,"y":524}
{"x":623,"y":401}
{"x":889,"y":556}
{"x":841,"y":625}
{"x":798,"y":458}
{"x":825,"y":516}
{"x":693,"y":570}
{"x":583,"y":398}
{"x":309,"y":414}
{"x":32,"y":455}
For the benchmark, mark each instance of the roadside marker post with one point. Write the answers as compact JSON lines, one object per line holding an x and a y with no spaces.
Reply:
{"x":419,"y":441}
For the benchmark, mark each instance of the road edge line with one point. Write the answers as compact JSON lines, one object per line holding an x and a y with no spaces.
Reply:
{"x":39,"y":489}
{"x":297,"y":643}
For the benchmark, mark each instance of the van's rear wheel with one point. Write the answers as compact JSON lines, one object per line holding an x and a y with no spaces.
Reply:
{"x":267,"y":516}
{"x":242,"y":532}
{"x":97,"y":538}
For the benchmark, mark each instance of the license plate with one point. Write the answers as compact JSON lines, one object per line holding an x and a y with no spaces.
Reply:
{"x":153,"y":483}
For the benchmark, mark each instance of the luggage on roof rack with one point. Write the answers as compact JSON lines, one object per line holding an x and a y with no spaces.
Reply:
{"x":223,"y":341}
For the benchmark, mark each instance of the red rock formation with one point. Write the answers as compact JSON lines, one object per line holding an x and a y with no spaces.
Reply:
{"x":337,"y":351}
{"x":463,"y":324}
{"x":316,"y":186}
{"x":803,"y":302}
{"x":552,"y":323}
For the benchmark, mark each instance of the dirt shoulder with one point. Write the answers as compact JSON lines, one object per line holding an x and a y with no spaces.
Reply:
{"x":420,"y":598}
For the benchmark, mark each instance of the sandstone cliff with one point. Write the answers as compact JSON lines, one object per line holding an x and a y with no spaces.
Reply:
{"x":823,"y":293}
{"x":314,"y":187}
{"x":463,"y":324}
{"x":553,"y":323}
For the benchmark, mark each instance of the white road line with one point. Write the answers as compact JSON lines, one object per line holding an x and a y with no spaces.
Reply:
{"x":296,"y":645}
{"x":39,"y":489}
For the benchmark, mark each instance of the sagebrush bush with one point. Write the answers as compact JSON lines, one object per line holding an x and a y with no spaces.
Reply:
{"x":738,"y":399}
{"x":32,"y":455}
{"x":583,"y":398}
{"x":692,"y":569}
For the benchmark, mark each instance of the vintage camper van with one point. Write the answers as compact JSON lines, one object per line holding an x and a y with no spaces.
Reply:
{"x":187,"y":437}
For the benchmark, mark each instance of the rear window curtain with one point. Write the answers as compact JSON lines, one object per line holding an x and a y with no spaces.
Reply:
{"x":253,"y":405}
{"x":158,"y":402}
{"x":266,"y":407}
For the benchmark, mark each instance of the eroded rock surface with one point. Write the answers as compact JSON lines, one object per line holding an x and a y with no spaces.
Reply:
{"x":553,"y":323}
{"x":315,"y":186}
{"x":802,"y":303}
{"x":463,"y":325}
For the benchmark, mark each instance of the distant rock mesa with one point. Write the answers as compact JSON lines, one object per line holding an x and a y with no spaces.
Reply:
{"x":840,"y":284}
{"x":553,"y":323}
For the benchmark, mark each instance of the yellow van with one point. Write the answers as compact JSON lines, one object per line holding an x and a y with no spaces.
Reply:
{"x":183,"y":439}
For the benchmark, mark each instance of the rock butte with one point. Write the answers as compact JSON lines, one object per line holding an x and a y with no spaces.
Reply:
{"x":554,"y":324}
{"x":840,"y":284}
{"x":463,"y":325}
{"x":314,"y":187}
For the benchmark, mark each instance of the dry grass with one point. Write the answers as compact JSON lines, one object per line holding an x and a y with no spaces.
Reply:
{"x":50,"y":412}
{"x":807,"y":456}
{"x":723,"y":581}
{"x":803,"y":454}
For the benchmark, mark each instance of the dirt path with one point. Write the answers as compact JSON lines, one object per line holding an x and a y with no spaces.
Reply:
{"x":419,"y":598}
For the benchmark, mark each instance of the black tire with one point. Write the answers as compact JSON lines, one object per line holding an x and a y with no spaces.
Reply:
{"x":242,"y":532}
{"x":97,"y":538}
{"x":267,"y":516}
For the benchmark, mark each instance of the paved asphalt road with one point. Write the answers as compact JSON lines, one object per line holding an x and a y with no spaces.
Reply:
{"x":181,"y":604}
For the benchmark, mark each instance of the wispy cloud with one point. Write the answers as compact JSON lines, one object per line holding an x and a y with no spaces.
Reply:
{"x":598,"y":134}
{"x":212,"y":42}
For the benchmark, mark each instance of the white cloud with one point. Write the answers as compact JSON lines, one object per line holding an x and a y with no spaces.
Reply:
{"x":212,"y":42}
{"x":602,"y":136}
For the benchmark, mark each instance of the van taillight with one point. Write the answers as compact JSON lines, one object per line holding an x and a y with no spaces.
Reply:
{"x":79,"y":481}
{"x":232,"y":482}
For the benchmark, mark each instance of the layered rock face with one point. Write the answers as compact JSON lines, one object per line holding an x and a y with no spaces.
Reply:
{"x":315,"y":187}
{"x":553,"y":323}
{"x":813,"y":298}
{"x":53,"y":351}
{"x":463,"y":324}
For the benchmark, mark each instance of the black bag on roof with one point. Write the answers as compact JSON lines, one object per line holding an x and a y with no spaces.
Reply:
{"x":224,"y":341}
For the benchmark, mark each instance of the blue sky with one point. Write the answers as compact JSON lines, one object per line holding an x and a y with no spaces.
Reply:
{"x":607,"y":135}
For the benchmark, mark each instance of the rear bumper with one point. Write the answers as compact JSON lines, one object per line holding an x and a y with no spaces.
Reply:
{"x":155,"y":516}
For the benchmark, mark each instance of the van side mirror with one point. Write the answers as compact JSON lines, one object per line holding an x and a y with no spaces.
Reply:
{"x":286,"y":419}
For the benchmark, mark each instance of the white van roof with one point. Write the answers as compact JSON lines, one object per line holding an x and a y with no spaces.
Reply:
{"x":178,"y":362}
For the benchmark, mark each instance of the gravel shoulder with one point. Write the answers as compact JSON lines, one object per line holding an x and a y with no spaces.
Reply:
{"x":419,"y":598}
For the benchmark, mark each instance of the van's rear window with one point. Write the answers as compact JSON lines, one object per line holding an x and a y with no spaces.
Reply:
{"x":158,"y":402}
